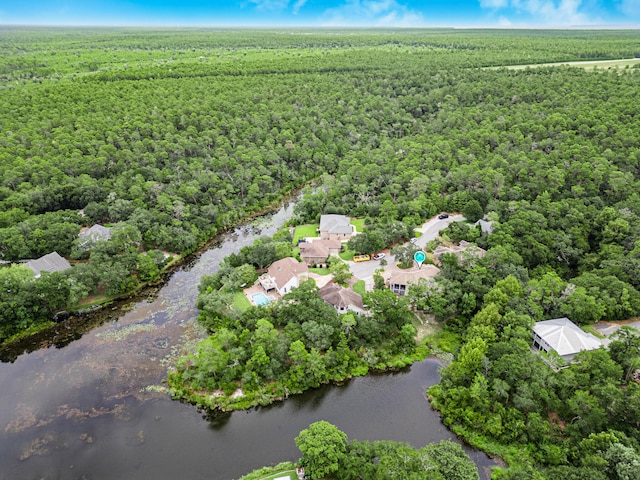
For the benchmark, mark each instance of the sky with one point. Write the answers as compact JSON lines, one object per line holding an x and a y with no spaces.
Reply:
{"x":326,"y":13}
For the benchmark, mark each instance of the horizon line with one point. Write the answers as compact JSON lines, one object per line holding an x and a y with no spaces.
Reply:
{"x":630,"y":26}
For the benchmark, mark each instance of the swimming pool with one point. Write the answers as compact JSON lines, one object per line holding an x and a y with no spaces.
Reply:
{"x":261,"y":299}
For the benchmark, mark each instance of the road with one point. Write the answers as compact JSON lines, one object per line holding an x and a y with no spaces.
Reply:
{"x":430,"y":231}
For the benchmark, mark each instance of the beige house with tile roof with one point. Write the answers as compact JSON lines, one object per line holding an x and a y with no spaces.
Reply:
{"x":399,"y":279}
{"x":284,"y":275}
{"x":344,"y":300}
{"x":460,"y":250}
{"x":318,"y":251}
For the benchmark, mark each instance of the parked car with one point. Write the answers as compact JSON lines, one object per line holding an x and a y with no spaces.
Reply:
{"x":361,"y":258}
{"x":379,"y":256}
{"x":442,"y":216}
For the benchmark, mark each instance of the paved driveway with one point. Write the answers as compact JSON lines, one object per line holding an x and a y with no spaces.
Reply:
{"x":430,"y":231}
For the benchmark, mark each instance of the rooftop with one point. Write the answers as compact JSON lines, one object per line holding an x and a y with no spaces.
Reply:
{"x":340,"y":297}
{"x":335,"y":224}
{"x":565,"y":337}
{"x":51,"y":262}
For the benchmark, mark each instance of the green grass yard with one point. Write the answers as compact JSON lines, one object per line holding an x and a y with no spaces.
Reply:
{"x":358,"y":223}
{"x":320,"y":271}
{"x":303,"y":231}
{"x":346,"y":255}
{"x":358,"y":287}
{"x":240,"y":302}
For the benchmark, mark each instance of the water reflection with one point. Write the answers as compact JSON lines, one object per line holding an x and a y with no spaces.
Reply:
{"x":97,"y":407}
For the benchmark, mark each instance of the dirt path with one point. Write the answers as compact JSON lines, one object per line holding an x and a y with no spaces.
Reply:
{"x":620,"y":63}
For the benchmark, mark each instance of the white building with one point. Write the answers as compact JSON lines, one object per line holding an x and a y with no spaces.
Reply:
{"x":564,"y":337}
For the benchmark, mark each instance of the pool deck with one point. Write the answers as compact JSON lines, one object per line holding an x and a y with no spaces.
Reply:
{"x":257,"y":288}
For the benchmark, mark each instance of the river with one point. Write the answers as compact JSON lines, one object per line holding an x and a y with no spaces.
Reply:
{"x":96,"y":408}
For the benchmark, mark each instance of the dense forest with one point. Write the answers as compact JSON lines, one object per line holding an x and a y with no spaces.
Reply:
{"x":172,"y":136}
{"x":328,"y":453}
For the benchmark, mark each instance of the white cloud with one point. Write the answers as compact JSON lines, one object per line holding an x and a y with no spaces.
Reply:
{"x":378,"y":13}
{"x":504,"y":22}
{"x":547,"y":12}
{"x":631,"y":7}
{"x":269,"y":4}
{"x":278,"y":4}
{"x":298,"y":5}
{"x":494,"y":3}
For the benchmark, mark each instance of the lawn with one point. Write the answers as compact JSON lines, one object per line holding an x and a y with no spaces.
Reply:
{"x":346,"y":255}
{"x":303,"y":231}
{"x":240,"y":302}
{"x":358,"y":287}
{"x":358,"y":223}
{"x":320,"y":271}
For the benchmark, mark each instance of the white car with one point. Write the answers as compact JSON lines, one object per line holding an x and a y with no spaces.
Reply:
{"x":379,"y":256}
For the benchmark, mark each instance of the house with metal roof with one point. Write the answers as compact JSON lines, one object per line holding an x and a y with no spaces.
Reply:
{"x":335,"y":227}
{"x":564,"y":337}
{"x":51,"y":262}
{"x":94,"y":234}
{"x":485,"y":226}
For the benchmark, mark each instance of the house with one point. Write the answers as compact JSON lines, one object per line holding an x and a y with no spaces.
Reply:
{"x":564,"y":337}
{"x":399,"y":280}
{"x":92,"y":235}
{"x":461,"y":250}
{"x":335,"y":227}
{"x":51,"y":262}
{"x":284,"y":275}
{"x":318,"y":251}
{"x":344,"y":300}
{"x":485,"y":226}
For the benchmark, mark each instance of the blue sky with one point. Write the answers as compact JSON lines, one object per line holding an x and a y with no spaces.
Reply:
{"x":327,"y":13}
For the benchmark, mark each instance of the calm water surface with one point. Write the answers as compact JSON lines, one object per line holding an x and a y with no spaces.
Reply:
{"x":98,"y":408}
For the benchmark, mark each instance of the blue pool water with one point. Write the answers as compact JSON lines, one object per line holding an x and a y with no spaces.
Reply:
{"x":260,"y":299}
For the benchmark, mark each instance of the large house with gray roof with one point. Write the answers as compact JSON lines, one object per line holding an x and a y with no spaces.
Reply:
{"x":335,"y":227}
{"x":51,"y":262}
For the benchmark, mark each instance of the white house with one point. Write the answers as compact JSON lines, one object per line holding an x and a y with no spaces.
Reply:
{"x":564,"y":337}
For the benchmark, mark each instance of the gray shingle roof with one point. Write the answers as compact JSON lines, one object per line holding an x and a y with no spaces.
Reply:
{"x":335,"y":224}
{"x":51,"y":262}
{"x":95,"y":233}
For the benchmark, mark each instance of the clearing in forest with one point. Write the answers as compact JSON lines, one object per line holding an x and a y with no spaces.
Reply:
{"x":621,"y":63}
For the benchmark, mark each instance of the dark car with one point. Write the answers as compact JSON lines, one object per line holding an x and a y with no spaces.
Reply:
{"x":442,"y":216}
